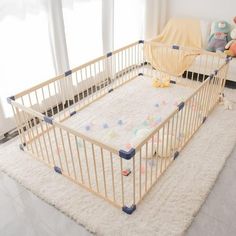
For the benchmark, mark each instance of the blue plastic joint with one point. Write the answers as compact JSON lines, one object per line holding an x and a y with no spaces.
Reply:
{"x":141,"y":41}
{"x":9,"y":99}
{"x":204,"y":119}
{"x":172,"y":82}
{"x":57,"y":169}
{"x":175,"y":47}
{"x":127,"y":155}
{"x":48,"y":119}
{"x":211,"y":76}
{"x":176,"y":155}
{"x":72,"y":113}
{"x":110,"y":90}
{"x":109,"y":54}
{"x":69,"y":72}
{"x":140,"y":74}
{"x":216,"y":72}
{"x":129,"y":210}
{"x":181,"y":106}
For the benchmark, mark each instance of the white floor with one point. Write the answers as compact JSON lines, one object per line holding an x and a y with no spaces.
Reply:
{"x":22,"y":213}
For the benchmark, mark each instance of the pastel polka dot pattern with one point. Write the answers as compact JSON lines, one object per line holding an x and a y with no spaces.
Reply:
{"x":105,"y":126}
{"x":87,"y":127}
{"x":120,"y":122}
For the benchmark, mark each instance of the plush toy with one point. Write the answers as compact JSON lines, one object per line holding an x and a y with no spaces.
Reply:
{"x":162,"y":82}
{"x":228,"y":105}
{"x":231,"y":45}
{"x":219,"y":36}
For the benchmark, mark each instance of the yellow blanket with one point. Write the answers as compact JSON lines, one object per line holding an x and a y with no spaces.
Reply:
{"x":183,"y":32}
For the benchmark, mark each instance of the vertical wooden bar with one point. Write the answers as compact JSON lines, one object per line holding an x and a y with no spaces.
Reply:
{"x":103,"y":172}
{"x":95,"y":167}
{"x":134,"y":180}
{"x":146,"y":166}
{"x":122,"y":182}
{"x":71,"y":154}
{"x":112,"y":175}
{"x":87,"y":165}
{"x":79,"y":160}
{"x":140,"y":174}
{"x":64,"y":151}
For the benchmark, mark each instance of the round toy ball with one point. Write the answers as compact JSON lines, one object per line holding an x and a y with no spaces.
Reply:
{"x":120,"y":122}
{"x":235,"y":19}
{"x":105,"y":125}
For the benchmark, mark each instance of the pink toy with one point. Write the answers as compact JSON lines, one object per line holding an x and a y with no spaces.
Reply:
{"x":126,"y":172}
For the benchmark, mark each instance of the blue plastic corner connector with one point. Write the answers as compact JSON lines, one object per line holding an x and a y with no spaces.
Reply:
{"x":141,"y":41}
{"x":181,"y":106}
{"x":140,"y":74}
{"x":215,"y":72}
{"x":176,"y":155}
{"x":69,"y":72}
{"x":127,"y":155}
{"x":109,"y":54}
{"x":176,"y":47}
{"x":204,"y":119}
{"x":57,"y":169}
{"x":9,"y":99}
{"x":72,"y":113}
{"x":48,"y":119}
{"x":110,"y":90}
{"x":129,"y":210}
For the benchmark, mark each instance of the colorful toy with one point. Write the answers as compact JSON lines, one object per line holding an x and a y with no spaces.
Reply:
{"x":231,"y":45}
{"x":228,"y":105}
{"x":162,"y":82}
{"x":126,"y":172}
{"x":219,"y":36}
{"x":87,"y":127}
{"x":120,"y":122}
{"x":105,"y":126}
{"x":142,"y":169}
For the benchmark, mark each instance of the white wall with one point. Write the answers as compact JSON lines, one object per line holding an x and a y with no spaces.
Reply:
{"x":204,"y":9}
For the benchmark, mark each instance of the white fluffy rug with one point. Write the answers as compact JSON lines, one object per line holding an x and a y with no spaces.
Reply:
{"x":167,"y":210}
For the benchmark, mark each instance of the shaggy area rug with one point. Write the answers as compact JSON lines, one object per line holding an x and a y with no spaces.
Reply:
{"x":167,"y":210}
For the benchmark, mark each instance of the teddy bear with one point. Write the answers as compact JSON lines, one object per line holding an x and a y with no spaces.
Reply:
{"x":219,"y":36}
{"x":231,"y":45}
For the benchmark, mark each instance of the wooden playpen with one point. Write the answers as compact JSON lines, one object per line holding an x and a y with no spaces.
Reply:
{"x":40,"y":111}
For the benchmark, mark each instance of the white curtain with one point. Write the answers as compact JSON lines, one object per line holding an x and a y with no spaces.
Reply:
{"x":25,"y":58}
{"x":42,"y":38}
{"x":108,"y":25}
{"x":128,"y":21}
{"x":155,"y":17}
{"x":83,"y":28}
{"x":57,"y":36}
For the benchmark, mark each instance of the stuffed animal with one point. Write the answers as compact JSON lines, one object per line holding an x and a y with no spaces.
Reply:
{"x":162,"y":82}
{"x":228,"y":105}
{"x":219,"y":36}
{"x":231,"y":45}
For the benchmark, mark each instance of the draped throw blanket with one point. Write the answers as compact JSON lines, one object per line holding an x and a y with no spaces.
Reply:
{"x":178,"y":31}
